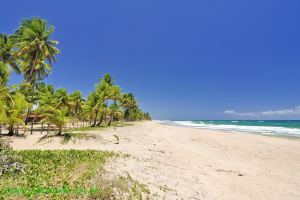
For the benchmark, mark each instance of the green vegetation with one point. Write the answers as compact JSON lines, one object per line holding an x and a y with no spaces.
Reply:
{"x":62,"y":174}
{"x":57,"y":169}
{"x":132,"y":188}
{"x":30,"y":51}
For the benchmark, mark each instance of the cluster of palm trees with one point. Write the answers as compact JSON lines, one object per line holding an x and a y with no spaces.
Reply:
{"x":30,"y":51}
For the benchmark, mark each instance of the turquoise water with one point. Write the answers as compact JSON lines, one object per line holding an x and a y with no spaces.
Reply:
{"x":265,"y":127}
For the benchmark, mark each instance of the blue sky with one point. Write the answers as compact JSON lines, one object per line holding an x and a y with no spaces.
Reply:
{"x":183,"y":59}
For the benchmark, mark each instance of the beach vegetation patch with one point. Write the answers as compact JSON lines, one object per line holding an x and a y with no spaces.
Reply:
{"x":63,"y":173}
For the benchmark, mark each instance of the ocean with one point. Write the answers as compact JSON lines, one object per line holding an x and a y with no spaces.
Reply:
{"x":264,"y":127}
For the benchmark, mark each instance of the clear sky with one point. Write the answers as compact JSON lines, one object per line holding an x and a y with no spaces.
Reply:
{"x":183,"y":59}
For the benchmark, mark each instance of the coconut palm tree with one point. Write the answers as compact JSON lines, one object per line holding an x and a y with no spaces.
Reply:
{"x":113,"y":111}
{"x":62,"y":99}
{"x":76,"y":106}
{"x":58,"y":117}
{"x":96,"y":102}
{"x":77,"y":102}
{"x":45,"y":95}
{"x":12,"y":112}
{"x":87,"y":113}
{"x":35,"y":51}
{"x":129,"y":104}
{"x":35,"y":48}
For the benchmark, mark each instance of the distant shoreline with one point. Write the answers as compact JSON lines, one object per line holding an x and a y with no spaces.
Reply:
{"x":265,"y":127}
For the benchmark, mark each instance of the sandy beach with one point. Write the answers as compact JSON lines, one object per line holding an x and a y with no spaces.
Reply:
{"x":188,"y":163}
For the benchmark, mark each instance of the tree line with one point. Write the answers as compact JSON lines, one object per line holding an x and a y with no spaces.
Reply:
{"x":30,"y":51}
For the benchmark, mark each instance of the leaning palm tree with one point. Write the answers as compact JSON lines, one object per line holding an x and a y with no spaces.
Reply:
{"x":129,"y":104}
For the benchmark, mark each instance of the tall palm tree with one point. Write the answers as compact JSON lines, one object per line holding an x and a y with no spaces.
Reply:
{"x":35,"y":51}
{"x":35,"y":47}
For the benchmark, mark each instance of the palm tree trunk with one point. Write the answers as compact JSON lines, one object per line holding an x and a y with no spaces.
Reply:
{"x":29,"y":109}
{"x":95,"y":120}
{"x":101,"y":119}
{"x":31,"y":129}
{"x":42,"y":128}
{"x":18,"y":126}
{"x":27,"y":116}
{"x":10,"y":130}
{"x":48,"y":129}
{"x":59,"y":130}
{"x":104,"y":117}
{"x":111,"y":119}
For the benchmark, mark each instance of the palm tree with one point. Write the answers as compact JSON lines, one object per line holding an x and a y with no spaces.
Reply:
{"x":62,"y":99}
{"x":12,"y":112}
{"x":56,"y":116}
{"x":129,"y":104}
{"x":113,"y":111}
{"x":35,"y":50}
{"x":77,"y":102}
{"x":87,"y":113}
{"x":45,"y":95}
{"x":107,"y":91}
{"x":35,"y":47}
{"x":7,"y":53}
{"x":96,"y":102}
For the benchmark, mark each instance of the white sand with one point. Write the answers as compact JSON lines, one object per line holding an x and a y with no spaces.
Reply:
{"x":189,"y":163}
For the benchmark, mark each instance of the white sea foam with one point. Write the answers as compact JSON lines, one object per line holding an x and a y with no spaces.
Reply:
{"x":266,"y":130}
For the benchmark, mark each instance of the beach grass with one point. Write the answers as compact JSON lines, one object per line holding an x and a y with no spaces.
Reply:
{"x":63,"y":174}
